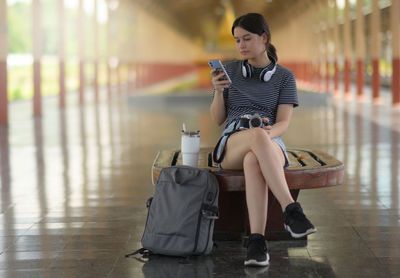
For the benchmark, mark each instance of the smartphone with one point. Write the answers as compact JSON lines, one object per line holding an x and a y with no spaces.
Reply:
{"x":216,"y":64}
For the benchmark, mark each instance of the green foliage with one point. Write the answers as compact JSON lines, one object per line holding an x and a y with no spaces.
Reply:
{"x":19,"y":17}
{"x":19,"y":28}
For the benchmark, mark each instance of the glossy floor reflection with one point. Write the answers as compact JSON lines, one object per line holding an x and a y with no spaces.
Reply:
{"x":74,"y":186}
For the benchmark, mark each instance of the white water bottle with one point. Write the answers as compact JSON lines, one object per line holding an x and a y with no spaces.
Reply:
{"x":190,"y":147}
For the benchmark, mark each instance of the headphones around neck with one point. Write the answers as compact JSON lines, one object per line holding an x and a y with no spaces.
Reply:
{"x":265,"y":75}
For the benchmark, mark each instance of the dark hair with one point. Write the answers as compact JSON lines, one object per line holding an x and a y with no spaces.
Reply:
{"x":257,"y":24}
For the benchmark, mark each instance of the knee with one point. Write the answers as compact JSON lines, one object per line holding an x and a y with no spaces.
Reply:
{"x":260,"y":137}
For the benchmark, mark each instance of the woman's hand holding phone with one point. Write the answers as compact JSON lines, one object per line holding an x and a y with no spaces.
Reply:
{"x":219,"y":80}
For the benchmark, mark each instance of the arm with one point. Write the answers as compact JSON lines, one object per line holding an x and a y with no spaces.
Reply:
{"x":217,"y":108}
{"x":283,"y":117}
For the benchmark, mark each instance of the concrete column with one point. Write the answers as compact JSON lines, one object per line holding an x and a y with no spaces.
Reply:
{"x":130,"y":76}
{"x":61,"y":51}
{"x":347,"y":48}
{"x":395,"y":28}
{"x":327,"y":63}
{"x":108,"y":54}
{"x":37,"y":53}
{"x":81,"y":38}
{"x":325,"y":43}
{"x":375,"y":48}
{"x":318,"y":36}
{"x":96,"y":53}
{"x":360,"y":48}
{"x":119,"y":79}
{"x":3,"y":63}
{"x":336,"y":45}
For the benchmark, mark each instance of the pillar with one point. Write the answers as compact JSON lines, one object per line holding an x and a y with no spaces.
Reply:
{"x":325,"y":43}
{"x":3,"y":63}
{"x":61,"y":51}
{"x":318,"y":36}
{"x":108,"y":54}
{"x":336,"y":45}
{"x":327,"y":54}
{"x":130,"y":76}
{"x":96,"y":53}
{"x":360,"y":48}
{"x":395,"y":28}
{"x":347,"y":48}
{"x":375,"y":49}
{"x":37,"y":53}
{"x":81,"y":38}
{"x":119,"y":80}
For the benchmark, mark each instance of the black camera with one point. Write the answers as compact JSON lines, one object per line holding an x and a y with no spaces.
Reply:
{"x":249,"y":121}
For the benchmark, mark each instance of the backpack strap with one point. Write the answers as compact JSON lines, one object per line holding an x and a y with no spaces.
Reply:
{"x":142,"y":251}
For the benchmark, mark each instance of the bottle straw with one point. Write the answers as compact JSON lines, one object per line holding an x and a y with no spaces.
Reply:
{"x":184,"y":127}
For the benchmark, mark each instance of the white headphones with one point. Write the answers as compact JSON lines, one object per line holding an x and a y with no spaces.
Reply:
{"x":265,"y":75}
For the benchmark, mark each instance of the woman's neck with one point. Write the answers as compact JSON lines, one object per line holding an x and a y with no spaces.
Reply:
{"x":260,"y":61}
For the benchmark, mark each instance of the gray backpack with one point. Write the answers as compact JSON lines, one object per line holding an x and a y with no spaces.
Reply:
{"x":181,"y":213}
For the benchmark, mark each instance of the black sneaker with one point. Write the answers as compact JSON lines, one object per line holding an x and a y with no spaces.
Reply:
{"x":296,"y":223}
{"x":257,"y":254}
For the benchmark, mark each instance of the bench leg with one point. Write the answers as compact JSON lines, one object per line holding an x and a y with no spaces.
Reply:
{"x":233,"y":222}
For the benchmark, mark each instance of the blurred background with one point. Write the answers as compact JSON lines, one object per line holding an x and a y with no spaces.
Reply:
{"x":140,"y":43}
{"x":91,"y":90}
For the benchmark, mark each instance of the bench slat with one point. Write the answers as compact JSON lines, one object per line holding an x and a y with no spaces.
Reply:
{"x":305,"y":159}
{"x":164,"y":157}
{"x":294,"y":163}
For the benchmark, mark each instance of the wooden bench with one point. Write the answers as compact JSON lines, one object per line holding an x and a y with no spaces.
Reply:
{"x":308,"y":169}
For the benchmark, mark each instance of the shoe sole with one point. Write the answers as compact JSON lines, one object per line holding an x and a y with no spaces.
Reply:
{"x":295,"y":235}
{"x":257,"y":263}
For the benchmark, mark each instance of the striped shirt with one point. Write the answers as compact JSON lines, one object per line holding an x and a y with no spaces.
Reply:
{"x":250,"y":96}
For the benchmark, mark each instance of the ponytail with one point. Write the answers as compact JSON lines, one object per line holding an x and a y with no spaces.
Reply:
{"x":271,"y":52}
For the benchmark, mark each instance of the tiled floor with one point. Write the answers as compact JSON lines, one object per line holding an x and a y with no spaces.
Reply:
{"x":74,"y":185}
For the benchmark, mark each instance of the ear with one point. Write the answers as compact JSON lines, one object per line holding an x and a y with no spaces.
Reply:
{"x":264,"y":37}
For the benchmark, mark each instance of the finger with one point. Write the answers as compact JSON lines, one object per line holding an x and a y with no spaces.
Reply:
{"x":222,"y":84}
{"x":218,"y":77}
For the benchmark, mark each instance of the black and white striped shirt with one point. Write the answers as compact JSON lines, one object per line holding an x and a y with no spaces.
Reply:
{"x":250,"y":96}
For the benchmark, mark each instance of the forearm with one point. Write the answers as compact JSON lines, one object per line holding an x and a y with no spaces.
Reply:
{"x":217,"y":109}
{"x":278,"y":129}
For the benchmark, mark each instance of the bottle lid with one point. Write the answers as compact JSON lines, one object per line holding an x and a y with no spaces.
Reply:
{"x":191,"y":133}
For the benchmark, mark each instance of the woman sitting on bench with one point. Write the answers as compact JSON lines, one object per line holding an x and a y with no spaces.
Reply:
{"x":258,"y":86}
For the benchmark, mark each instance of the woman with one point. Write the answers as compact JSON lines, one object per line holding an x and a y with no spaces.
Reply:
{"x":259,"y":85}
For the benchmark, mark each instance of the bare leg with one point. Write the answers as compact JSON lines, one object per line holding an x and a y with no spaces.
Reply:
{"x":268,"y":154}
{"x":256,"y":194}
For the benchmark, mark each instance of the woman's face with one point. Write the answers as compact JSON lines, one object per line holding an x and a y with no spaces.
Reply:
{"x":250,"y":45}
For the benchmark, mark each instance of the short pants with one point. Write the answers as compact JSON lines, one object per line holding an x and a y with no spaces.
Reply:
{"x":229,"y":130}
